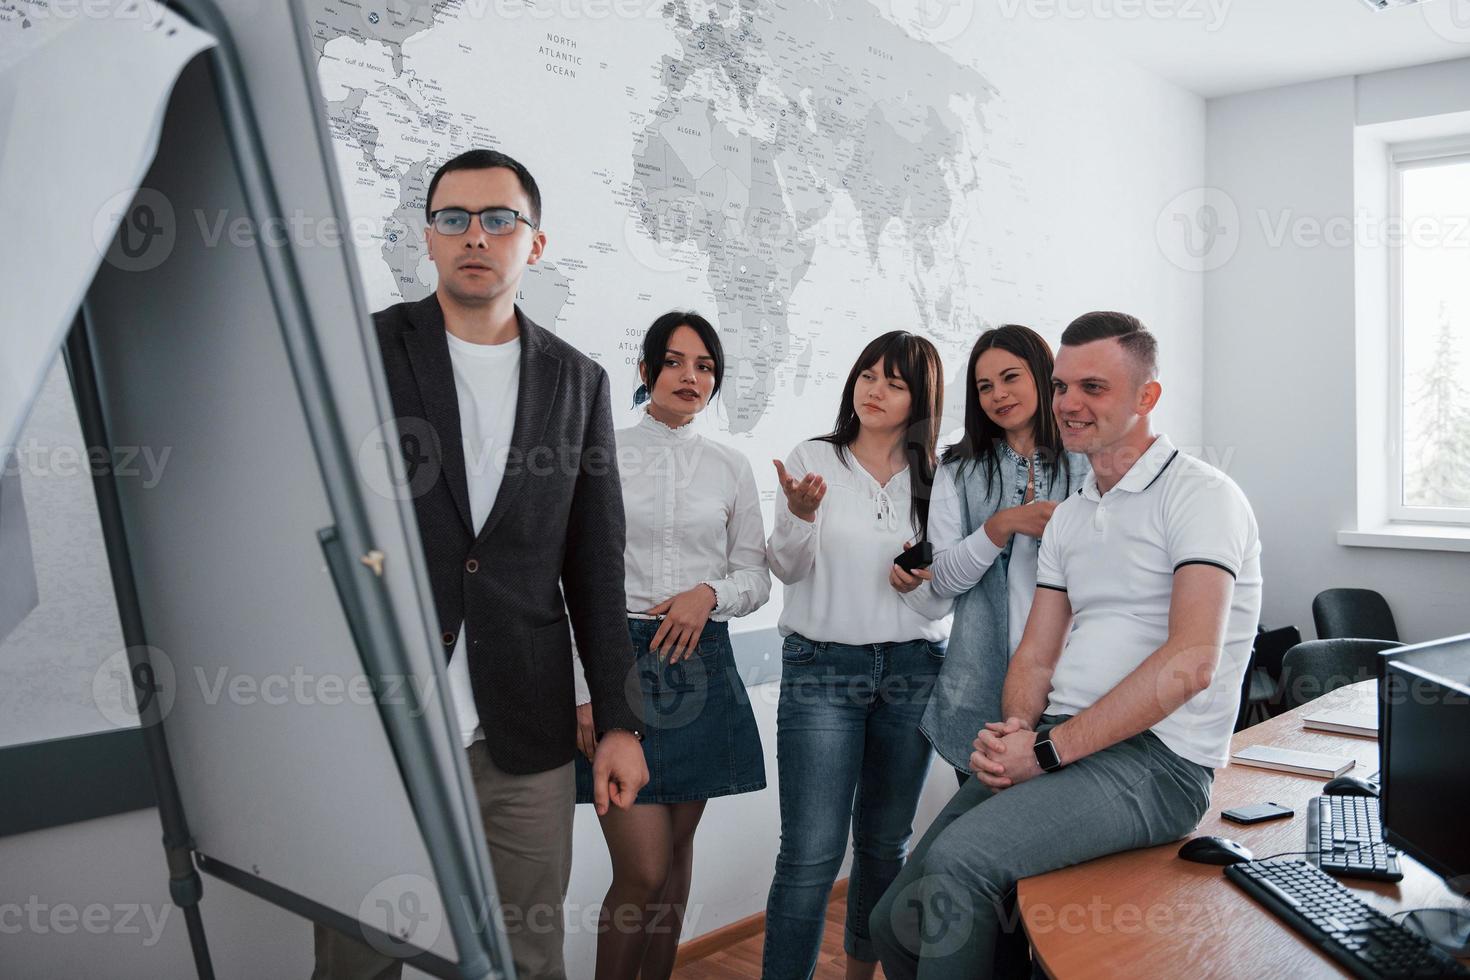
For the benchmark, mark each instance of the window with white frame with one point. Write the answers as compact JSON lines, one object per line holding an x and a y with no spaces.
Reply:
{"x":1429,"y":351}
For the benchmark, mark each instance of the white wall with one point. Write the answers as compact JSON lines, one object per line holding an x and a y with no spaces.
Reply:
{"x":1280,"y":397}
{"x":1101,"y":148}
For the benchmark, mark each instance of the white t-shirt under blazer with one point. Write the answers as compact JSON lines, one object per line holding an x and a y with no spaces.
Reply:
{"x":486,"y":383}
{"x":835,"y":568}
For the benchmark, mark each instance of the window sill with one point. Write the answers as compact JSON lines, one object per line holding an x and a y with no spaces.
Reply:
{"x":1413,"y":537}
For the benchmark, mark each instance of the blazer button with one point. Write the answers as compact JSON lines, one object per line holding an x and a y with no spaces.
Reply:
{"x":448,"y":639}
{"x":472,"y":566}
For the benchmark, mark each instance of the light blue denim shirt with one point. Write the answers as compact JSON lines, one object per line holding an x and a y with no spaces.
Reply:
{"x":967,"y":694}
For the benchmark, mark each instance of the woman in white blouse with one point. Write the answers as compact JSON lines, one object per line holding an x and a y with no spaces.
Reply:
{"x":862,"y":647}
{"x":694,"y":559}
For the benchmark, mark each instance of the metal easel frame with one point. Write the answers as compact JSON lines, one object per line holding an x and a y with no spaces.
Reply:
{"x":460,"y":872}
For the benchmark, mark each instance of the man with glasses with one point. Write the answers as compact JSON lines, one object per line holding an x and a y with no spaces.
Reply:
{"x":507,"y":434}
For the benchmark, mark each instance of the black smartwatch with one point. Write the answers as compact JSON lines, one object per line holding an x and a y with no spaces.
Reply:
{"x":1046,"y":756}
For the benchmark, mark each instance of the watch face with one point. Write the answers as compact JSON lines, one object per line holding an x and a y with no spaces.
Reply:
{"x":1046,"y":756}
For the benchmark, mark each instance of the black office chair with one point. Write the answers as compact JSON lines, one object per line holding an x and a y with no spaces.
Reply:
{"x":1311,"y":669}
{"x":1357,"y":613}
{"x":1253,"y":685}
{"x":1263,"y":674}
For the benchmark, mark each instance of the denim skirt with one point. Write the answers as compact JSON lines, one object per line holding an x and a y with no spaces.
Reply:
{"x":699,"y":733}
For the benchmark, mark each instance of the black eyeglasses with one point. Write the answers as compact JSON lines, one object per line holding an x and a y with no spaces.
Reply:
{"x":495,"y":221}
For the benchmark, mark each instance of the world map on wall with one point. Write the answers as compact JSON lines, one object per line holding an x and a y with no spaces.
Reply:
{"x":810,"y":173}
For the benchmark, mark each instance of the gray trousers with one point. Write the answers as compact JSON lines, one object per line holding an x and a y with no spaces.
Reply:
{"x":944,"y":914}
{"x":528,"y":831}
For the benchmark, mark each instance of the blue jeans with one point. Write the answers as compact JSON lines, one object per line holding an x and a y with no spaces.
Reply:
{"x":848,"y":752}
{"x":943,"y":916}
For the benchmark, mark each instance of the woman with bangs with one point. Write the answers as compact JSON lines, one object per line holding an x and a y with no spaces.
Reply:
{"x":993,"y":498}
{"x":862,"y":646}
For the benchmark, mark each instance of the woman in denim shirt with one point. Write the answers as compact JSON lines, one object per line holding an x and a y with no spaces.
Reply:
{"x":993,"y":496}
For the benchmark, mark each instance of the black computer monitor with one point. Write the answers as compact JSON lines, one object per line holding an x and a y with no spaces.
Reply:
{"x":1385,"y":657}
{"x":1424,"y":745}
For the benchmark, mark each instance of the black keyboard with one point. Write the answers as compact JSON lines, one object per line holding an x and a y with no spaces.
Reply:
{"x":1366,"y":942}
{"x":1345,"y":837}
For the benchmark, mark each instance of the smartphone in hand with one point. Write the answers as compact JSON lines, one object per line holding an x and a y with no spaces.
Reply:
{"x":920,"y":555}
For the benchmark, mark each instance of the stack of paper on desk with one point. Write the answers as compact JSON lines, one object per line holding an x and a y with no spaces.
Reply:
{"x":1343,"y":721}
{"x":1294,"y":760}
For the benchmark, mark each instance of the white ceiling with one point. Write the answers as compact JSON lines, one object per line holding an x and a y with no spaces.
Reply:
{"x":1220,"y":47}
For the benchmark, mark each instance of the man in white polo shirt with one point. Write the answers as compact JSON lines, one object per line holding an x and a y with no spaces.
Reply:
{"x":1121,"y":697}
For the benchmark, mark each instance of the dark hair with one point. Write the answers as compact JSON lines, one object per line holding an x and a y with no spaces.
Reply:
{"x":1129,"y":331}
{"x":488,"y":160}
{"x":656,"y":344}
{"x":915,"y":361}
{"x":978,"y":445}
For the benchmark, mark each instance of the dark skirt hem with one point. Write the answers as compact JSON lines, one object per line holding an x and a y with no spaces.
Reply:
{"x":667,"y":798}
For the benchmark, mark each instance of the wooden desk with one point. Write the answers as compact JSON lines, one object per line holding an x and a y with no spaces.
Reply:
{"x":1149,"y":913}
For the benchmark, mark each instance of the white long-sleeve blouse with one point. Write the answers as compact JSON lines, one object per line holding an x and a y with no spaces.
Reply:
{"x":835,"y":569}
{"x":693,"y":516}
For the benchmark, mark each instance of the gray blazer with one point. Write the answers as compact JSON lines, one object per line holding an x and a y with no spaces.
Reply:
{"x":551,"y":548}
{"x":967,"y":694}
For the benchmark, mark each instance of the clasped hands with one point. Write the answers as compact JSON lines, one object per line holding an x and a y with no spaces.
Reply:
{"x":1005,"y":754}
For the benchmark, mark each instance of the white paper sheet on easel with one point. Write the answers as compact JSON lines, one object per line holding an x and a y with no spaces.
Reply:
{"x":18,"y":592}
{"x":83,"y":89}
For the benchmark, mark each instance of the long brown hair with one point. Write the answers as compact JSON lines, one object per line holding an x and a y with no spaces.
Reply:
{"x":977,"y":446}
{"x":915,"y":362}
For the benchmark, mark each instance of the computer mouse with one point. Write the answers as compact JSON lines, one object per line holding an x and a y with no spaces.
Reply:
{"x":1349,"y":786}
{"x":1215,"y":850}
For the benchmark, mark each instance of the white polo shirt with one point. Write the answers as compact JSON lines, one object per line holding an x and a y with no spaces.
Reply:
{"x":1115,"y":555}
